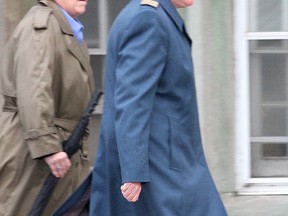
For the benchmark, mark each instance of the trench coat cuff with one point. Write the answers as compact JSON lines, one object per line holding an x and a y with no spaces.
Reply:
{"x":44,"y":145}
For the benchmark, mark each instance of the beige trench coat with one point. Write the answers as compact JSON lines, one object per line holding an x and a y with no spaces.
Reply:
{"x":46,"y":82}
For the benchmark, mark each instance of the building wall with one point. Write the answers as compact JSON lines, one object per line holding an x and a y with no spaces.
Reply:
{"x":210,"y":24}
{"x":1,"y":27}
{"x":2,"y":42}
{"x":13,"y":11}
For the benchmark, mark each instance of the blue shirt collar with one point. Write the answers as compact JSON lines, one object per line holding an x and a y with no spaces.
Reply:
{"x":75,"y":25}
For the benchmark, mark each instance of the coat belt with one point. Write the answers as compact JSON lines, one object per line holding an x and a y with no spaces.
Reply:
{"x":66,"y":124}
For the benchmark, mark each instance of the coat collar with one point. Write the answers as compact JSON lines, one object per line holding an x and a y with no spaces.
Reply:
{"x":174,"y":15}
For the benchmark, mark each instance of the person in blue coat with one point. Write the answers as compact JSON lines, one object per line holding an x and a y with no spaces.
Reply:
{"x":150,"y":160}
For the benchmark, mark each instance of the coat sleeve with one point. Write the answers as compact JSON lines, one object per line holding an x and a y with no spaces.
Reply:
{"x":142,"y":54}
{"x":34,"y":68}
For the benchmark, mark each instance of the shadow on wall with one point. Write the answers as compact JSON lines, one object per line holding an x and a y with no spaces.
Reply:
{"x":1,"y":103}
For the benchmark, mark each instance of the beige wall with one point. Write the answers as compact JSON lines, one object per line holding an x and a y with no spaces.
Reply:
{"x":210,"y":24}
{"x":11,"y":12}
{"x":1,"y":34}
{"x":1,"y":26}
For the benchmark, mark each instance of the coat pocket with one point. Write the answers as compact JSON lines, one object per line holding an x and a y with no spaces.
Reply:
{"x":181,"y":151}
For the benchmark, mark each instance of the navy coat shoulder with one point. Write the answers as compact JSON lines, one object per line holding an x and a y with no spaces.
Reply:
{"x":150,"y":127}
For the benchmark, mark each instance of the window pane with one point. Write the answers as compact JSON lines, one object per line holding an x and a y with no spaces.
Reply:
{"x":91,"y":21}
{"x":98,"y":67}
{"x":269,"y":160}
{"x":268,"y":87}
{"x":95,"y":24}
{"x":274,"y":150}
{"x":274,"y":121}
{"x":114,"y":8}
{"x":273,"y":86}
{"x":267,"y":16}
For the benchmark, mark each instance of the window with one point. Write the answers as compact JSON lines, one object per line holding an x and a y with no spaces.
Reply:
{"x":97,"y":20}
{"x":268,"y":16}
{"x":261,"y":43}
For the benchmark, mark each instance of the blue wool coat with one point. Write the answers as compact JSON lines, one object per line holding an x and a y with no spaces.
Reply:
{"x":150,"y":127}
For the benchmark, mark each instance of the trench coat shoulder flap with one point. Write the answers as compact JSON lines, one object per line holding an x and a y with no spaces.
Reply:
{"x":79,"y":51}
{"x":41,"y":17}
{"x":174,"y":15}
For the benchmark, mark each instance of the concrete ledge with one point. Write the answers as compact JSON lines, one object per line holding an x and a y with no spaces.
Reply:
{"x":255,"y":205}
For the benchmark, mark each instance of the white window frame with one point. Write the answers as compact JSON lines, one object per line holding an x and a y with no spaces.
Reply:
{"x":245,"y":184}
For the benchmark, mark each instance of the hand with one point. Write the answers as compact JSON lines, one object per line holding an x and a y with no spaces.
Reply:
{"x":59,"y":164}
{"x":131,"y":191}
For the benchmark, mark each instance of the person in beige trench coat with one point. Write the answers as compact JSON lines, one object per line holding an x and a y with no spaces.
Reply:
{"x":46,"y":82}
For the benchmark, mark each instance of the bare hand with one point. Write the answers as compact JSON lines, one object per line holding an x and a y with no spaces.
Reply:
{"x":131,"y":191}
{"x":59,"y":164}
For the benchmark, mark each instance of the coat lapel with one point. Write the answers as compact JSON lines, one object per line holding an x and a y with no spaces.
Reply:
{"x":78,"y":52}
{"x":174,"y":15}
